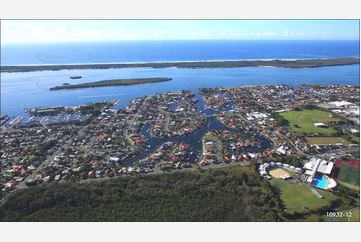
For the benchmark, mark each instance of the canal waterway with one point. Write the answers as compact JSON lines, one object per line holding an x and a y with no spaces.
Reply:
{"x":194,"y":140}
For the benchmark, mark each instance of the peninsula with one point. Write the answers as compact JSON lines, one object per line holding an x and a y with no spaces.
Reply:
{"x":288,"y":63}
{"x":115,"y":82}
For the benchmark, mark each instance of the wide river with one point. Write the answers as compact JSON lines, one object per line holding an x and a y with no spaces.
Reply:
{"x":31,"y":89}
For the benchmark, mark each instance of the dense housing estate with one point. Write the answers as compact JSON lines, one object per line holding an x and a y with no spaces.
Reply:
{"x":103,"y":141}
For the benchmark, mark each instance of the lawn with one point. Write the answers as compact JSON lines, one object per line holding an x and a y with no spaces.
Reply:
{"x":210,"y":137}
{"x":349,"y":185}
{"x":356,"y":138}
{"x":305,"y":119}
{"x":355,"y":215}
{"x":349,"y":174}
{"x":244,"y":169}
{"x":296,"y":196}
{"x":323,"y":140}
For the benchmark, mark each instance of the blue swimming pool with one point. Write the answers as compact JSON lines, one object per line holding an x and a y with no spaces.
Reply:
{"x":320,"y":182}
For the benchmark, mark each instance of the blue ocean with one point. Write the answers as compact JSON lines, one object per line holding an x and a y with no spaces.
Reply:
{"x":31,"y":89}
{"x":161,"y":51}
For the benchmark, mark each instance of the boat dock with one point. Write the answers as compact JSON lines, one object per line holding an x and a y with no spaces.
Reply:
{"x":4,"y":119}
{"x":17,"y":120}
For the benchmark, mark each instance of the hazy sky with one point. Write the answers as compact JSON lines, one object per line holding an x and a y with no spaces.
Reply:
{"x":98,"y":30}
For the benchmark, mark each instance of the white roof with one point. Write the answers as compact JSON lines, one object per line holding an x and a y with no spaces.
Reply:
{"x":31,"y":167}
{"x":324,"y":166}
{"x":341,"y":103}
{"x":114,"y":158}
{"x":308,"y":166}
{"x":281,"y":150}
{"x":251,"y":155}
{"x":308,"y":172}
{"x":329,"y":168}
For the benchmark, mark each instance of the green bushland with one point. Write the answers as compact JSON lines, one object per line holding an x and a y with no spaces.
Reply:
{"x":228,"y":194}
{"x":115,"y":82}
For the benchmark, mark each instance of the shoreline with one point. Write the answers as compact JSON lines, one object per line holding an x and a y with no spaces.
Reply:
{"x":175,"y":61}
{"x":279,"y":63}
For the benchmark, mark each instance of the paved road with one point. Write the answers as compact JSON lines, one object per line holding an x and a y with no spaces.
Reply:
{"x":22,"y":185}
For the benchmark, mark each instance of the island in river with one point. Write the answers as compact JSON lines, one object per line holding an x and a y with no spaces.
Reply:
{"x":288,"y":63}
{"x":115,"y":82}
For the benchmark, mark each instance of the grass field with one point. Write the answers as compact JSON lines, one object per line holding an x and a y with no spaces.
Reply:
{"x":210,"y":137}
{"x":355,"y":215}
{"x":296,"y":196}
{"x":356,"y":138}
{"x":351,"y":186}
{"x":323,"y":140}
{"x":349,"y":174}
{"x":305,"y":119}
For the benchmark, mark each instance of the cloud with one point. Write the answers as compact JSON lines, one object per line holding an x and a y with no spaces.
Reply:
{"x":286,"y":34}
{"x":268,"y":33}
{"x":20,"y":32}
{"x":34,"y":33}
{"x":224,"y":33}
{"x":160,"y":33}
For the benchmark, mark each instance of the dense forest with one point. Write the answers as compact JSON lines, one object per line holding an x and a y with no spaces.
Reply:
{"x":115,"y":82}
{"x":227,"y":194}
{"x":301,"y":63}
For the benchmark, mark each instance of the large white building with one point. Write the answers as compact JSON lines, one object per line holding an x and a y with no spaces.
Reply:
{"x":319,"y":170}
{"x":318,"y":165}
{"x":341,"y":104}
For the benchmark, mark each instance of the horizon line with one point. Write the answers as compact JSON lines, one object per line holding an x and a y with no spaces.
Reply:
{"x":220,"y":39}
